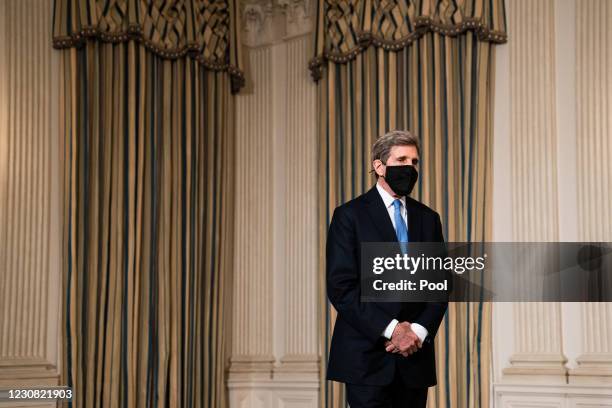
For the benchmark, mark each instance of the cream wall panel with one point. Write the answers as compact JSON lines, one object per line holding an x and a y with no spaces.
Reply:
{"x":594,"y":150}
{"x":275,"y":261}
{"x":299,"y":294}
{"x":553,"y":113}
{"x":533,"y":165}
{"x":278,"y":114}
{"x":502,"y":211}
{"x":252,"y":331}
{"x":30,"y":195}
{"x":565,"y":47}
{"x":594,"y":118}
{"x":565,"y":396}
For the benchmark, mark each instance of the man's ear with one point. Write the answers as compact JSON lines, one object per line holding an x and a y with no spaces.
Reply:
{"x":378,"y":167}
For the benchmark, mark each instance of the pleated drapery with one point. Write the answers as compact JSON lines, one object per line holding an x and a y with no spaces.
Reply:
{"x":148,"y":142}
{"x":425,"y":66}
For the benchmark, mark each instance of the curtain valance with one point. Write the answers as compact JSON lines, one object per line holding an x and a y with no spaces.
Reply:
{"x":202,"y":29}
{"x":347,"y":27}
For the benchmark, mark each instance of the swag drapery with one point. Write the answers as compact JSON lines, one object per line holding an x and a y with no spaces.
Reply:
{"x":425,"y":66}
{"x":147,"y":121}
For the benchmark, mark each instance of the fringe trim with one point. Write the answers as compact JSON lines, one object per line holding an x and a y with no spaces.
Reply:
{"x":134,"y":33}
{"x":423,"y":26}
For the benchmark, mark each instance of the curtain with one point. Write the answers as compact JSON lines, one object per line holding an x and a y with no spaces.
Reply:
{"x":147,"y":119}
{"x":425,"y":66}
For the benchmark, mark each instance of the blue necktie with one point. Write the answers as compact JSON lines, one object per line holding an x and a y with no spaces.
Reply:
{"x":400,"y":226}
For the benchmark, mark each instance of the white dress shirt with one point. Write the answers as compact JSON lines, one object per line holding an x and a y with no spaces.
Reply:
{"x":388,"y":199}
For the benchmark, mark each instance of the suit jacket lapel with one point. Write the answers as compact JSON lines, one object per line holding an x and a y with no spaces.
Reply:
{"x":380,"y":216}
{"x":382,"y":221}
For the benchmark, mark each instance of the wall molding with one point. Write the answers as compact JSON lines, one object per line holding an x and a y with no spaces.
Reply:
{"x":275,"y":354}
{"x":267,"y":22}
{"x":30,"y":196}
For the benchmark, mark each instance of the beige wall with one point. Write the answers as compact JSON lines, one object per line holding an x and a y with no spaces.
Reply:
{"x":30,"y":195}
{"x":553,"y":182}
{"x":275,"y":351}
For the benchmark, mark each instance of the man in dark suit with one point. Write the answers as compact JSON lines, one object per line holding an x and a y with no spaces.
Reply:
{"x":383,"y":352}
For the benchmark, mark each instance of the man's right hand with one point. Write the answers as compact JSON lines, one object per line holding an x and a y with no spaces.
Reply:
{"x":404,"y":340}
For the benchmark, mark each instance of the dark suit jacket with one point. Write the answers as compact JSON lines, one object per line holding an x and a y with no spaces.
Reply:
{"x":357,"y":354}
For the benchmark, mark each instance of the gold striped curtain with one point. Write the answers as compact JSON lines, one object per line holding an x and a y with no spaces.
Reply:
{"x":426,"y":66}
{"x":147,"y":119}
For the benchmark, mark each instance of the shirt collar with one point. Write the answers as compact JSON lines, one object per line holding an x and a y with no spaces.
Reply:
{"x":388,"y":199}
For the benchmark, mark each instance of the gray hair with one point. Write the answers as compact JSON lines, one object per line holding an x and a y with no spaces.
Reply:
{"x":382,"y":147}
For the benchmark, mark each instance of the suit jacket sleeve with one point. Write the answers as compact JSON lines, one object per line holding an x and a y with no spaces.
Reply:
{"x":432,"y":315}
{"x":343,"y":278}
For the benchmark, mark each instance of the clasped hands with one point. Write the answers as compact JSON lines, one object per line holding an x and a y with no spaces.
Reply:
{"x":403,"y":340}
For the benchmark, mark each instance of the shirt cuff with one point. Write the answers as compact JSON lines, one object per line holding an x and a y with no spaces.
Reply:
{"x":419,"y":330}
{"x":389,"y":330}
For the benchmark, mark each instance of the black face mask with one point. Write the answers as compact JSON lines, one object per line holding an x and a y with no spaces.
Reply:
{"x":401,"y":179}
